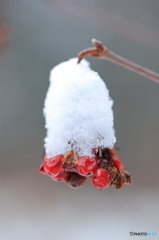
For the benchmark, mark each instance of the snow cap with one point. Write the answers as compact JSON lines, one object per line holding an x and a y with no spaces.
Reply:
{"x":77,"y":110}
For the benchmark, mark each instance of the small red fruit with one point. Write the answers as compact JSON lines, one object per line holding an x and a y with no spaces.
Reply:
{"x":86,"y":166}
{"x":53,"y":166}
{"x":101,"y":179}
{"x":118,"y":163}
{"x":41,"y":169}
{"x":62,"y":177}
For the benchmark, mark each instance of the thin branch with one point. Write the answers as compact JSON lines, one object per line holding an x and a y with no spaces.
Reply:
{"x":100,"y":51}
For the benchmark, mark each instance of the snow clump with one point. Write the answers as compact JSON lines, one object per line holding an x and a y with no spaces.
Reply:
{"x":77,"y":110}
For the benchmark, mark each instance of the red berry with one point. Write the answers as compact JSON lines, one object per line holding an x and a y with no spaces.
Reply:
{"x":54,"y":166}
{"x":118,"y":163}
{"x":101,"y":179}
{"x":41,"y":169}
{"x":86,"y":166}
{"x":62,"y":177}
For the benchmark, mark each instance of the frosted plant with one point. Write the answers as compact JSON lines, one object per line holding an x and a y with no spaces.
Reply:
{"x":80,"y":134}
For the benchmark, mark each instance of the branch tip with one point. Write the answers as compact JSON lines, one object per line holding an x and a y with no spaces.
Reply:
{"x":101,"y":52}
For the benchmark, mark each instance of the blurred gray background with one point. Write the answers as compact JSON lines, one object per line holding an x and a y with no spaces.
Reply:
{"x":41,"y":34}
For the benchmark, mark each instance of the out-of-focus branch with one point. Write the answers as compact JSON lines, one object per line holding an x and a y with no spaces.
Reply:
{"x":113,"y":24}
{"x":4,"y":35}
{"x":101,"y":52}
{"x":4,"y":28}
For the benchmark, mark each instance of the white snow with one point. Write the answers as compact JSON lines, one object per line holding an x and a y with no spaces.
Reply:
{"x":78,"y":110}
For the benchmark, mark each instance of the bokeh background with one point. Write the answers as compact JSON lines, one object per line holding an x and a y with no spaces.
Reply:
{"x":36,"y":35}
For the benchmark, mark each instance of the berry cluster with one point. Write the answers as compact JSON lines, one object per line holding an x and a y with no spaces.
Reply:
{"x":105,"y":168}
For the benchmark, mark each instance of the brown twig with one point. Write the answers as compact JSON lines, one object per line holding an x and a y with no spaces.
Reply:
{"x":100,"y":51}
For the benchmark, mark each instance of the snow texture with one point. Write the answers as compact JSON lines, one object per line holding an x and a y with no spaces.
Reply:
{"x":78,"y":111}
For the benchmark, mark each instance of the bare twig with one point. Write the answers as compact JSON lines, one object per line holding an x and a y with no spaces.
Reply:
{"x":100,"y":51}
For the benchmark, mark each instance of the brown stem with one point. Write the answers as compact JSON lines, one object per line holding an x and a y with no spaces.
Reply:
{"x":100,"y":51}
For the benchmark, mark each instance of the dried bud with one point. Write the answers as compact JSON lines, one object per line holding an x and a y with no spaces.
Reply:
{"x":76,"y":180}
